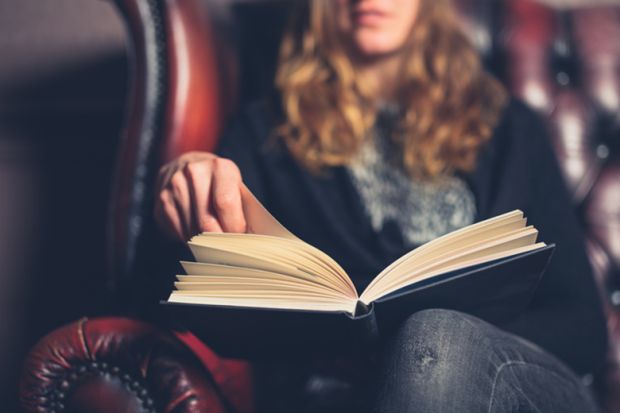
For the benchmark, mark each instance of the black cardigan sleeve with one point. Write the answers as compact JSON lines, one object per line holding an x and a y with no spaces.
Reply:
{"x":242,"y":142}
{"x":566,"y":316}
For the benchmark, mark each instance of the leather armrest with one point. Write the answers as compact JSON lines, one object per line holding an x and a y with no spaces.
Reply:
{"x":113,"y":365}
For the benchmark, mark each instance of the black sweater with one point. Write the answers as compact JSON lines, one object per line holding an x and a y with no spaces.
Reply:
{"x":516,"y":169}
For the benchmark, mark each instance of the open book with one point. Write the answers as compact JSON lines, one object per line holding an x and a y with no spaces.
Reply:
{"x":492,"y":266}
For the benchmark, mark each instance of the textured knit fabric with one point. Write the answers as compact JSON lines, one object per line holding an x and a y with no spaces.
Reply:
{"x":421,"y":209}
{"x":515,"y":170}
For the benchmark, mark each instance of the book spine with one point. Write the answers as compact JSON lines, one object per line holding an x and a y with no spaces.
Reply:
{"x":370,"y":329}
{"x":361,"y":309}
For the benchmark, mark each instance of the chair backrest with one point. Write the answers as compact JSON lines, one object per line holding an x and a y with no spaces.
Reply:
{"x":185,"y":80}
{"x":193,"y":61}
{"x":566,"y":65}
{"x":174,"y":106}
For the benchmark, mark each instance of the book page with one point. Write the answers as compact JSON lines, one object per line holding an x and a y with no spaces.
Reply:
{"x":199,"y":272}
{"x":503,"y":234}
{"x":269,"y":267}
{"x":250,"y":284}
{"x":266,"y":267}
{"x":294,"y":302}
{"x":294,"y":253}
{"x":460,"y":264}
{"x":259,"y":220}
{"x":252,"y":289}
{"x":415,"y":271}
{"x":437,"y":257}
{"x":200,"y":269}
{"x":478,"y":231}
{"x":203,"y":272}
{"x":269,"y":253}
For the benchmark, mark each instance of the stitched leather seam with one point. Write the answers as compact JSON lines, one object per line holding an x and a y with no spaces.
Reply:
{"x":176,"y":402}
{"x":146,"y":363}
{"x":82,"y":336}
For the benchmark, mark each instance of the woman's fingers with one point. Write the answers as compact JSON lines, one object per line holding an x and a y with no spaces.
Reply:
{"x":199,"y":192}
{"x":226,"y":195}
{"x":180,"y":191}
{"x":199,"y":177}
{"x":167,"y":215}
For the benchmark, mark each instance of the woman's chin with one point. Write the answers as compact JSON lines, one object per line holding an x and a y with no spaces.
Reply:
{"x":376,"y":48}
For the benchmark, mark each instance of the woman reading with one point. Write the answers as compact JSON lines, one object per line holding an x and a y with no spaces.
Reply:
{"x":385,"y":133}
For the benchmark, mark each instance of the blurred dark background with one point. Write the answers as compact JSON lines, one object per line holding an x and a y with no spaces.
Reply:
{"x":63,"y":82}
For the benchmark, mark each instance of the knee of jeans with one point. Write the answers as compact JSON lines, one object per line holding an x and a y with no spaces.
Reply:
{"x":432,"y":346}
{"x":436,"y":321}
{"x":429,"y":333}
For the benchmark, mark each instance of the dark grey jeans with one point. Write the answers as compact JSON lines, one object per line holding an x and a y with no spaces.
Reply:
{"x":446,"y":361}
{"x":440,"y":361}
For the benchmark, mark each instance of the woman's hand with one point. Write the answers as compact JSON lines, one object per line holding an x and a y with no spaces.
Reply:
{"x":199,"y":192}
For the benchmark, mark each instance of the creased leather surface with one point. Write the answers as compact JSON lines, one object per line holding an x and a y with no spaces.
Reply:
{"x":115,"y":364}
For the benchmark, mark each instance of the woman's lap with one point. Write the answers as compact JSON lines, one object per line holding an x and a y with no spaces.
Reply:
{"x":438,"y":361}
{"x":445,"y":361}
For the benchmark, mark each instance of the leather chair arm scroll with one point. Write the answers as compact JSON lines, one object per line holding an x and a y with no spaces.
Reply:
{"x":115,"y":365}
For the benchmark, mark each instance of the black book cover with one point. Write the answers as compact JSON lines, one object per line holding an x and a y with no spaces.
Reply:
{"x":494,"y":291}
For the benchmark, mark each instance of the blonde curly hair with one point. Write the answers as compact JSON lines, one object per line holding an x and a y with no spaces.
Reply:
{"x":450,"y":105}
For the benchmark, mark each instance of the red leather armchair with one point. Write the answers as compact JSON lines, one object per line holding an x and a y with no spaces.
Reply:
{"x":190,"y":65}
